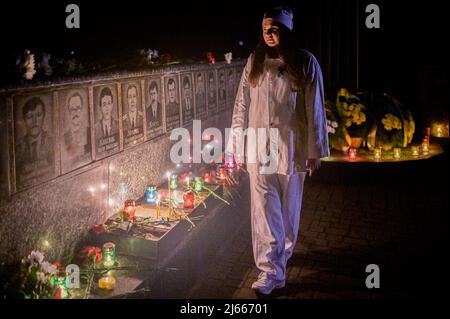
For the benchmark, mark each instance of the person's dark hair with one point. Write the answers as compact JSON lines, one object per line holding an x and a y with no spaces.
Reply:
{"x":132,"y":86}
{"x":287,"y":50}
{"x":76,"y":94}
{"x":186,"y":81}
{"x":32,"y":104}
{"x":152,"y":86}
{"x":170,"y":82}
{"x":106,"y":91}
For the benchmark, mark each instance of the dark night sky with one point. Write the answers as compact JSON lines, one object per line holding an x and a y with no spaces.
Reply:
{"x":411,"y":38}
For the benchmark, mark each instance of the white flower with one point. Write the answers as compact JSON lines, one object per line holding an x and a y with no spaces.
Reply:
{"x":29,"y":65}
{"x":334,"y":124}
{"x":41,"y":277}
{"x":35,"y":257}
{"x":228,"y":57}
{"x":48,"y":268}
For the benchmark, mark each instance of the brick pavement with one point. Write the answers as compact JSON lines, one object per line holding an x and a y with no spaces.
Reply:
{"x":394,"y":215}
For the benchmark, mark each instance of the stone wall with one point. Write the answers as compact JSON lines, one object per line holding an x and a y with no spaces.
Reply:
{"x":52,"y":193}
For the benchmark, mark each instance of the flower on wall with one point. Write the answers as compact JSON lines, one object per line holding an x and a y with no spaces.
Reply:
{"x":26,"y":64}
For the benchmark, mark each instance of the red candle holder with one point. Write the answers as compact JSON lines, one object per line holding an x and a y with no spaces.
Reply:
{"x":207,"y":178}
{"x":352,"y":153}
{"x":188,"y":198}
{"x":222,"y":173}
{"x":130,"y":208}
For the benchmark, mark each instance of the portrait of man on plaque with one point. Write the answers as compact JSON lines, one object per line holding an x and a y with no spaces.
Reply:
{"x":222,"y":90}
{"x":132,"y":116}
{"x":200,"y":95}
{"x":172,"y":103}
{"x":187,"y":101}
{"x":33,"y":139}
{"x":153,"y":108}
{"x":75,"y":138}
{"x":212,"y":93}
{"x":106,"y":121}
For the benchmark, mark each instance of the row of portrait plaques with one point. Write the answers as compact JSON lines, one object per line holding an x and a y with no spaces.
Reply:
{"x":56,"y":132}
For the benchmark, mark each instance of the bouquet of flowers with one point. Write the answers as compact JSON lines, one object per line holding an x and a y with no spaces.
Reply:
{"x":395,"y":124}
{"x":336,"y":130}
{"x":353,"y":113}
{"x":34,"y":278}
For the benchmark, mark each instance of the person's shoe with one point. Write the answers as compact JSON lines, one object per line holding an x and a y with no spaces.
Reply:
{"x":264,"y":284}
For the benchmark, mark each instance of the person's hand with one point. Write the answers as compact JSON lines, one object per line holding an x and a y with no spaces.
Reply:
{"x":312,"y":165}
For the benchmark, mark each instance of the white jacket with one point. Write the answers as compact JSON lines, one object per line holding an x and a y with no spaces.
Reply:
{"x":299,"y":116}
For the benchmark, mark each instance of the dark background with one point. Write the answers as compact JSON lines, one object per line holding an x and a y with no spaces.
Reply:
{"x":406,"y":57}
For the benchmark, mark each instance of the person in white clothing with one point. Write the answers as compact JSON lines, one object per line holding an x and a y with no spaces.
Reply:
{"x":281,"y":89}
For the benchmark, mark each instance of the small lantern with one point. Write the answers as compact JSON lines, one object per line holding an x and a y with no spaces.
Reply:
{"x":207,"y":178}
{"x":397,"y":152}
{"x":150,"y":195}
{"x":173,"y":182}
{"x":230,"y":163}
{"x":60,"y":283}
{"x":198,"y":184}
{"x":377,"y":153}
{"x":352,"y":152}
{"x":188,"y":199}
{"x":107,"y":282}
{"x":109,"y":254}
{"x":414,"y":150}
{"x":218,"y":166}
{"x":222,"y":173}
{"x":425,"y":147}
{"x":130,"y":208}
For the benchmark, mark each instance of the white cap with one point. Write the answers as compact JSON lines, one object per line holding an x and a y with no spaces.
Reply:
{"x":283,"y":15}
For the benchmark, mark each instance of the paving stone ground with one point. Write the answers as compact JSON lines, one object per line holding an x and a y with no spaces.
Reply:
{"x":394,"y":215}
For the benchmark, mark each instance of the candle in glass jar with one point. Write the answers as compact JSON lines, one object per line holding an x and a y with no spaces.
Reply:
{"x":425,"y":147}
{"x":222,"y":173}
{"x":414,"y":150}
{"x":150,"y":195}
{"x":109,"y":254}
{"x":377,"y":153}
{"x":107,"y":282}
{"x":130,"y":208}
{"x":207,"y":178}
{"x":174,"y":182}
{"x":188,"y":198}
{"x":397,"y":152}
{"x":352,"y":152}
{"x":198,"y":184}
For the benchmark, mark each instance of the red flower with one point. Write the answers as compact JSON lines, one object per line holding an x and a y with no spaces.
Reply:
{"x":89,"y":251}
{"x":98,"y":229}
{"x":58,"y":294}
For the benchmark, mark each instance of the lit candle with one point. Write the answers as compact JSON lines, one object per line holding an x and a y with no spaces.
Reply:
{"x":218,"y":166}
{"x":60,"y":283}
{"x":414,"y":150}
{"x":130,"y":208}
{"x":207,"y":178}
{"x":222,"y":173}
{"x":377,"y":153}
{"x":150,"y":195}
{"x":397,"y":153}
{"x":170,"y":195}
{"x":109,"y":254}
{"x":107,"y":282}
{"x":352,"y":152}
{"x":198,"y":184}
{"x":425,"y":147}
{"x":174,"y":182}
{"x":188,"y":198}
{"x":158,"y":207}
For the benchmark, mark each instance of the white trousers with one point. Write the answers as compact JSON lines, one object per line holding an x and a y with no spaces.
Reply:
{"x":276,"y":202}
